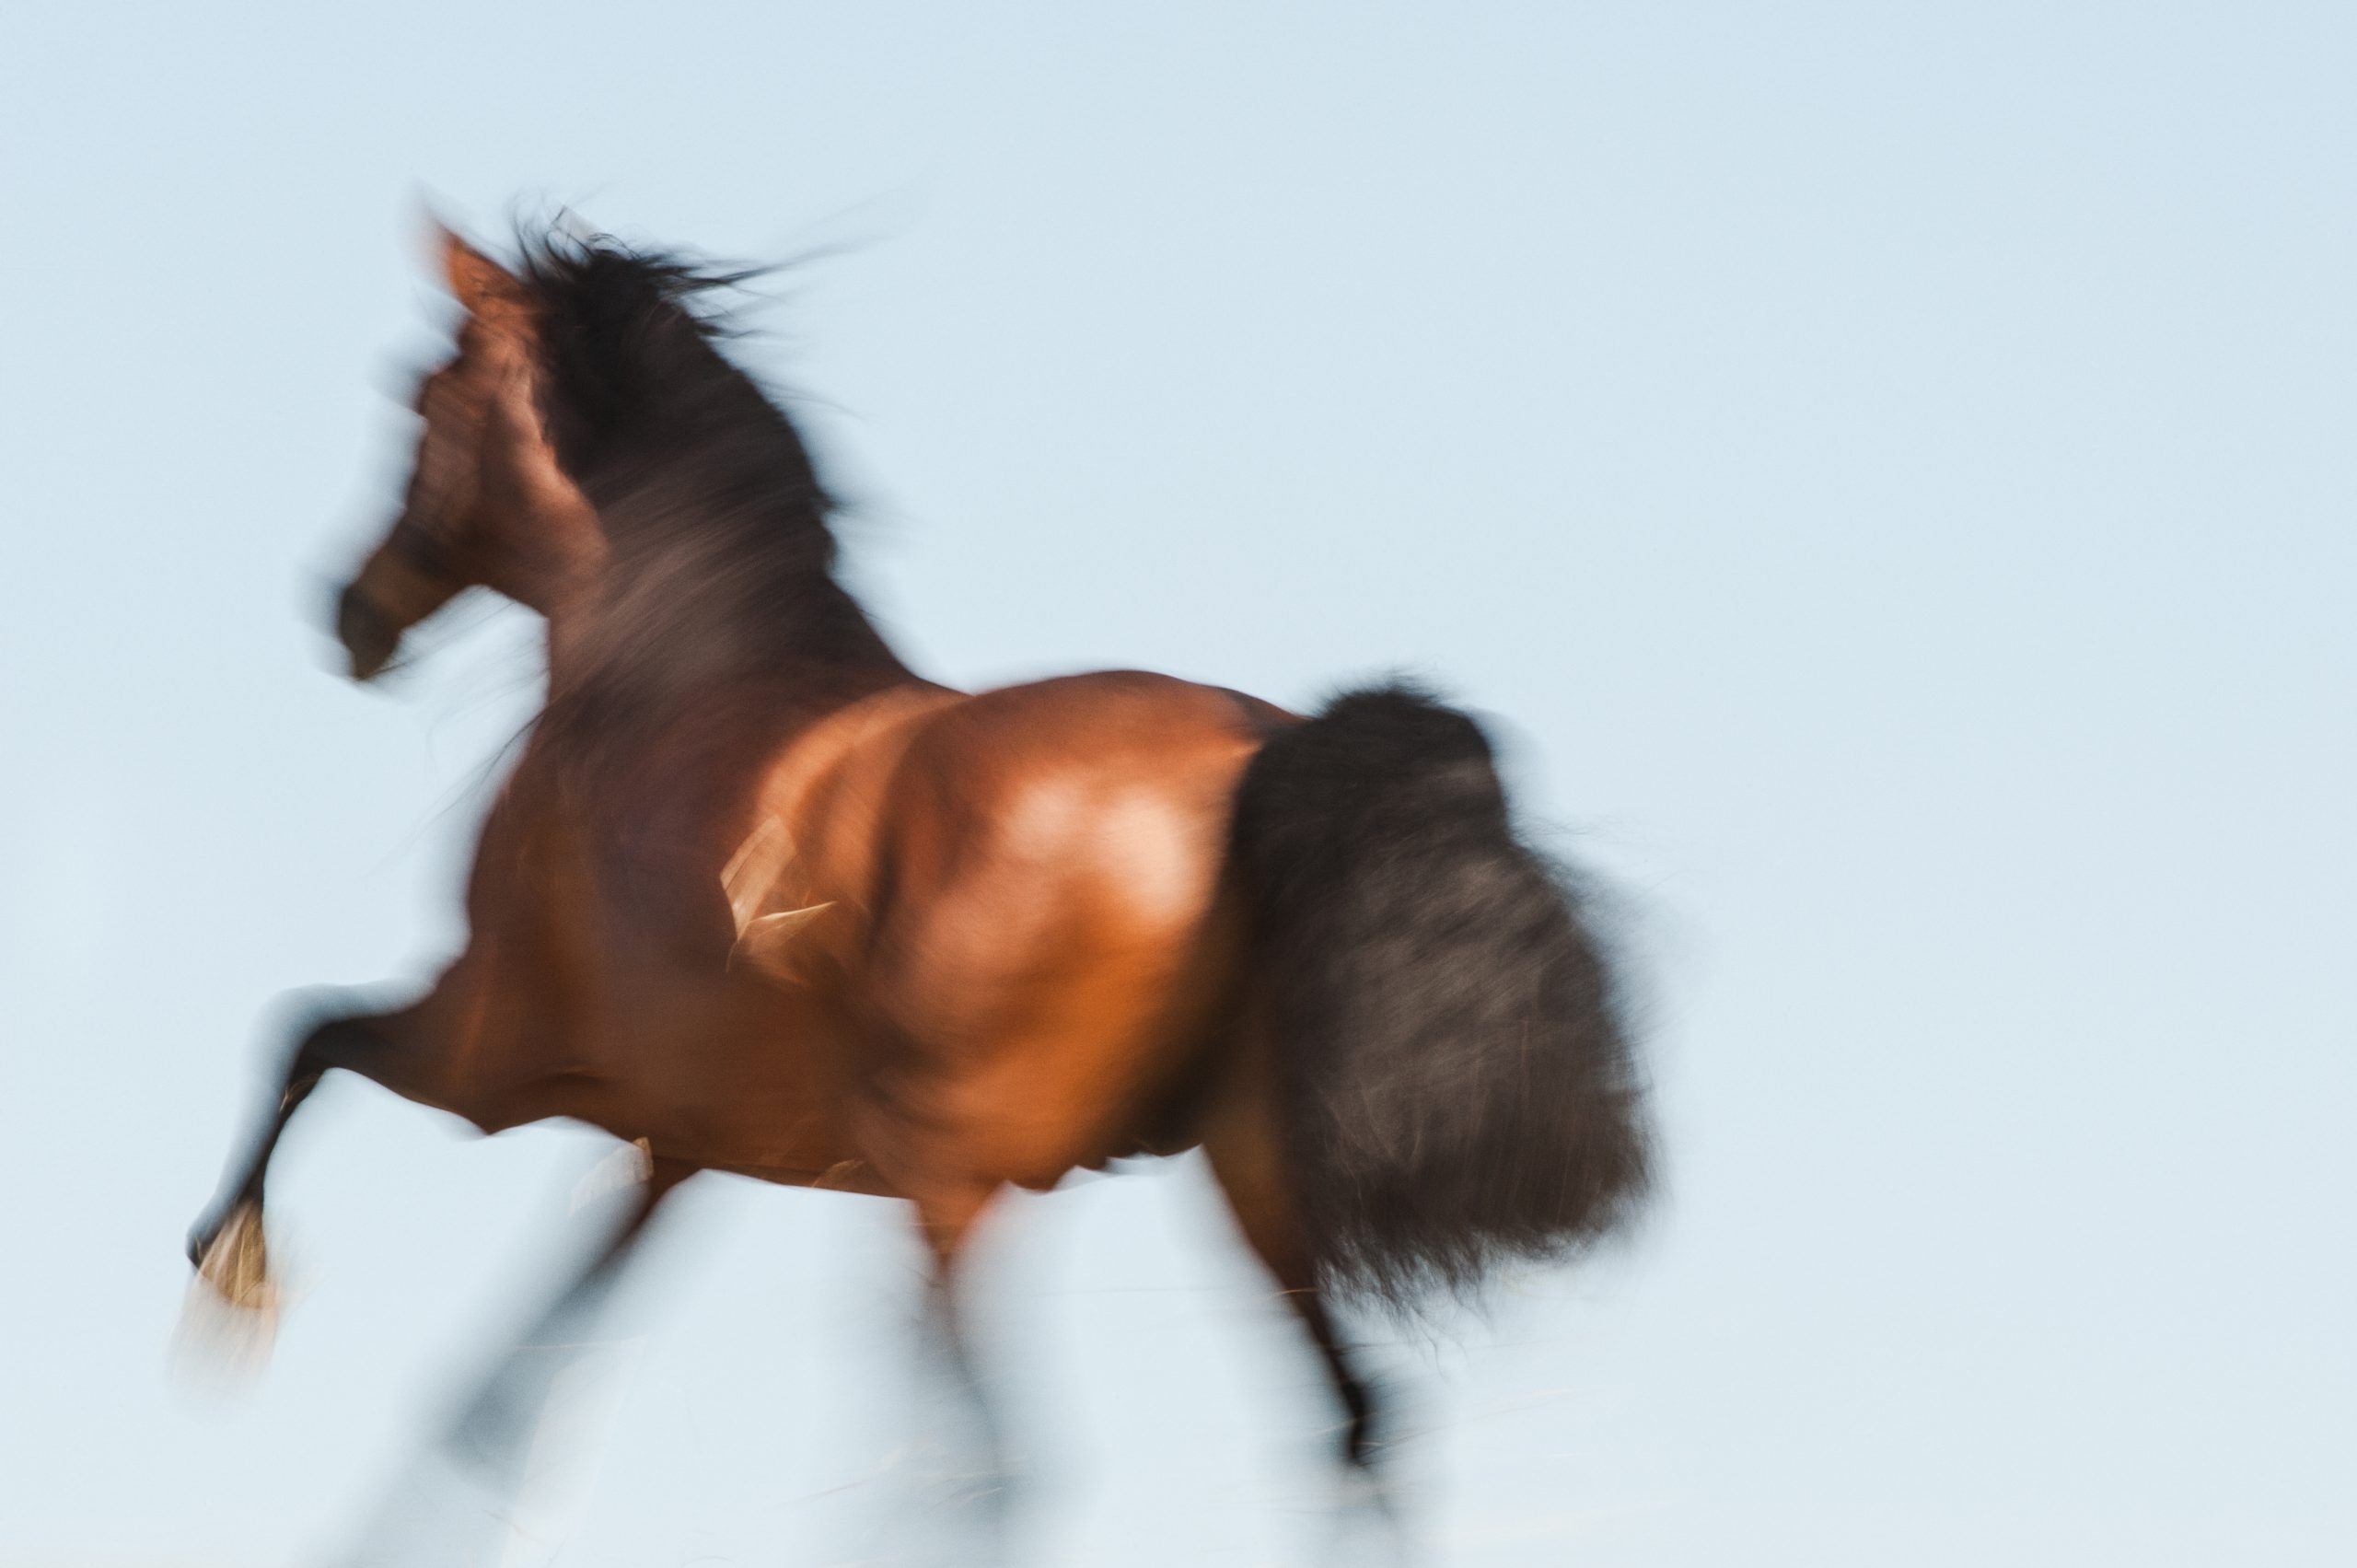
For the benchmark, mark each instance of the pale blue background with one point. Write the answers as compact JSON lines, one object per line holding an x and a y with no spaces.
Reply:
{"x":1893,"y":464}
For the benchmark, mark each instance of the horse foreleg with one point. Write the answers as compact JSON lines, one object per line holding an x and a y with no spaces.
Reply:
{"x":494,"y":1426}
{"x":488,"y":1483}
{"x":945,"y":1217}
{"x":226,"y":1243}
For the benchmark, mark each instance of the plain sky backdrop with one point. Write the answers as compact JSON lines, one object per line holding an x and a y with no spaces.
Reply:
{"x":1893,"y":467}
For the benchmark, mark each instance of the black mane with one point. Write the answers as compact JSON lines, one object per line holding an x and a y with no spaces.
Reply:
{"x":627,"y":353}
{"x":722,"y":556}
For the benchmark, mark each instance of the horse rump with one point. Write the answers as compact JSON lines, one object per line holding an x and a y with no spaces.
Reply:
{"x":1454,"y":1073}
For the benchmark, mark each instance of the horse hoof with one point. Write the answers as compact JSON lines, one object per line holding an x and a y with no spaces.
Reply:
{"x":234,"y":1262}
{"x":1370,"y":1526}
{"x":230,"y":1320}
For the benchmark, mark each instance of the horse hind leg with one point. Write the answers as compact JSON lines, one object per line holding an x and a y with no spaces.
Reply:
{"x":1246,"y":1160}
{"x":1247,"y":1165}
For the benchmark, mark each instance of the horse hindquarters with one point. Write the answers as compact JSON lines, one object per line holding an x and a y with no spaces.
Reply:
{"x":1042,"y":941}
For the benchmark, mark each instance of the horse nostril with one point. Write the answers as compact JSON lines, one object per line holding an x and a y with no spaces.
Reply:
{"x":367,"y":635}
{"x":351,"y":612}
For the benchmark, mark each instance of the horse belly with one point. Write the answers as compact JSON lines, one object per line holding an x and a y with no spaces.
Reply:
{"x":721,"y":1071}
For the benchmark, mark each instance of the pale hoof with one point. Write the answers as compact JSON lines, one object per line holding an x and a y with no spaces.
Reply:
{"x":237,"y":1263}
{"x":230,"y":1320}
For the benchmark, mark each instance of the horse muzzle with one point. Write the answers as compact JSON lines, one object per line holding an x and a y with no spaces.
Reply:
{"x":369,"y":636}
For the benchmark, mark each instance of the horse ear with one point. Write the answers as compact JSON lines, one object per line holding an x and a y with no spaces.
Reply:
{"x":479,"y":283}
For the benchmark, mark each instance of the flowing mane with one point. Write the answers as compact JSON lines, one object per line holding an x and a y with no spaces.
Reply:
{"x":722,"y":555}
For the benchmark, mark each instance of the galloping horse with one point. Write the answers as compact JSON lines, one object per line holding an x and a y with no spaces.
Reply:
{"x":763,"y":901}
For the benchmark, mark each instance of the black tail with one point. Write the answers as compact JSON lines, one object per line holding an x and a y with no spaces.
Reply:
{"x":1456,"y":1081}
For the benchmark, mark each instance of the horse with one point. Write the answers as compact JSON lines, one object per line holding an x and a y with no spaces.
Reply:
{"x":760,"y":898}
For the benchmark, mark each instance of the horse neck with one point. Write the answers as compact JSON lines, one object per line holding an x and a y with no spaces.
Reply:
{"x":553,"y":551}
{"x":563,"y":586}
{"x":715,"y":592}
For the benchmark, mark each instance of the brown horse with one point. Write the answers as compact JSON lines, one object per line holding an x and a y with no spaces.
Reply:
{"x":763,"y":901}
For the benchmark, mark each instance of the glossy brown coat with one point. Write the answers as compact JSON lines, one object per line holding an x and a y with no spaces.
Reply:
{"x":760,"y":899}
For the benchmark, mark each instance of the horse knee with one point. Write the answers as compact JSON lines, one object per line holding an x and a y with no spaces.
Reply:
{"x":349,"y":1040}
{"x":384,"y":1048}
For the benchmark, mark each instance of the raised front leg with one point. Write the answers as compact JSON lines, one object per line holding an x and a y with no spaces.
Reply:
{"x":226,"y":1243}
